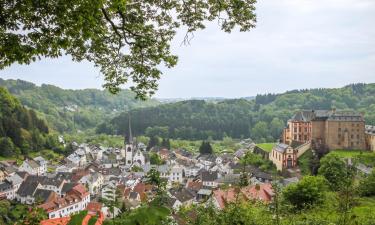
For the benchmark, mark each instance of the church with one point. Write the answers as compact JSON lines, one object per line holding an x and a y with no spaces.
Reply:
{"x":133,"y":153}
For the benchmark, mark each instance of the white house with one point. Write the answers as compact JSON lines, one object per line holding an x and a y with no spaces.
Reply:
{"x":31,"y":167}
{"x":94,"y":182}
{"x":209,"y":179}
{"x":43,"y":164}
{"x":74,"y":201}
{"x":176,"y":174}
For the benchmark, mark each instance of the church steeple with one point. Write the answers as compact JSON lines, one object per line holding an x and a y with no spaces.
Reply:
{"x":130,"y":131}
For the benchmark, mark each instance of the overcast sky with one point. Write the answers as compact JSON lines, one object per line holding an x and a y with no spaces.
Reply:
{"x":297,"y":44}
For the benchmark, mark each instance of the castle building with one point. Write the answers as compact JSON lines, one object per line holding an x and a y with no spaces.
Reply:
{"x":329,"y":129}
{"x":370,"y":137}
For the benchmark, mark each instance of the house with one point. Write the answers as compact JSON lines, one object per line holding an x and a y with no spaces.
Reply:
{"x":207,"y":160}
{"x":6,"y":190}
{"x":183,"y":195}
{"x":191,"y":171}
{"x":209,"y":179}
{"x":283,"y":156}
{"x":26,"y":192}
{"x":74,"y":201}
{"x":173,"y":203}
{"x":258,"y":192}
{"x":176,"y":174}
{"x":43,"y":164}
{"x":94,"y":181}
{"x":93,"y":209}
{"x":32,"y":167}
{"x":15,"y":180}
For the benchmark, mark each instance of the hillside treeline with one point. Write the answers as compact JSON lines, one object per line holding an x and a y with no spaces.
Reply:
{"x":21,"y":130}
{"x":261,"y":119}
{"x":72,"y":110}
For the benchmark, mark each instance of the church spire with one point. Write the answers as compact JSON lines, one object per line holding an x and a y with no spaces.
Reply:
{"x":130,"y":131}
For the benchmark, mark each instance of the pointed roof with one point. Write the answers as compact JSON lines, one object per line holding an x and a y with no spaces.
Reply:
{"x":130,"y":131}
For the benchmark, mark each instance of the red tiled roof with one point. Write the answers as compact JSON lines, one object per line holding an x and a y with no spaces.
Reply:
{"x":94,"y":207}
{"x":195,"y":185}
{"x":261,"y":192}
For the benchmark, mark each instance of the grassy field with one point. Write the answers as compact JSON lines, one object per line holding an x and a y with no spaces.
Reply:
{"x":351,"y":153}
{"x":266,"y":146}
{"x":364,"y":157}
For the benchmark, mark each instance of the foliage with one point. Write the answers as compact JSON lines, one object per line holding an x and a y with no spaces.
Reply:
{"x":144,"y":215}
{"x":305,"y":162}
{"x":12,"y":213}
{"x":127,"y":40}
{"x":77,"y":219}
{"x":367,"y":185}
{"x":334,"y":170}
{"x":259,"y":162}
{"x":21,"y":130}
{"x":307,"y":193}
{"x":92,"y":220}
{"x":262,"y":120}
{"x":155,"y":159}
{"x":205,"y":148}
{"x":73,"y":110}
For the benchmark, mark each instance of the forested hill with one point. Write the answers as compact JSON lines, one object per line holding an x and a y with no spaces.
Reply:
{"x":67,"y":110}
{"x":21,"y":130}
{"x":262,"y":118}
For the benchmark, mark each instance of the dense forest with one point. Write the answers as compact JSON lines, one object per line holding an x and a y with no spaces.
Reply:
{"x":70,"y":110}
{"x":21,"y":130}
{"x":261,"y":119}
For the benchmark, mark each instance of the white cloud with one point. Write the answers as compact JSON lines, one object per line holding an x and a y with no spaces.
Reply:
{"x":296,"y":44}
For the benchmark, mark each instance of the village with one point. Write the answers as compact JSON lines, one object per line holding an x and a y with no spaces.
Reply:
{"x":91,"y":176}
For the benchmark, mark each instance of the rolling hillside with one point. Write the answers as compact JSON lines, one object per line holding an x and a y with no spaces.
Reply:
{"x":261,"y":118}
{"x":69,"y":110}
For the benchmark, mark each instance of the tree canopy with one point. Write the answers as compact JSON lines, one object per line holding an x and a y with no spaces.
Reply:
{"x":127,"y":39}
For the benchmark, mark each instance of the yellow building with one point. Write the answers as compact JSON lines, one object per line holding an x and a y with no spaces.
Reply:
{"x":327,"y":129}
{"x":283,"y":156}
{"x":370,"y":137}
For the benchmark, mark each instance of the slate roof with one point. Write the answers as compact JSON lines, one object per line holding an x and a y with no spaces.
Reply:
{"x":303,"y":116}
{"x":33,"y":164}
{"x":43,"y":195}
{"x":207,"y":157}
{"x":182,"y":194}
{"x":133,"y":195}
{"x":67,"y":187}
{"x":27,"y":188}
{"x":331,"y":115}
{"x":281,"y":147}
{"x":4,"y":186}
{"x":208,"y":176}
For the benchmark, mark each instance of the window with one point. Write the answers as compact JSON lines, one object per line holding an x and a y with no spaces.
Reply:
{"x":339,"y":129}
{"x":339,"y":135}
{"x":351,"y":136}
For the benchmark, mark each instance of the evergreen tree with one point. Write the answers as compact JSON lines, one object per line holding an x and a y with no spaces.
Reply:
{"x":7,"y":147}
{"x":205,"y":148}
